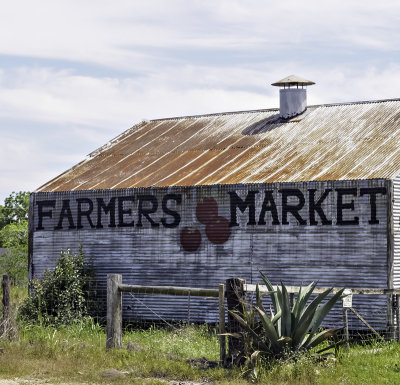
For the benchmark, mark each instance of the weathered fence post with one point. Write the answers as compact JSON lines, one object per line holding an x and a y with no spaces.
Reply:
{"x":347,"y":303}
{"x":346,"y":325}
{"x":235,"y":298}
{"x":114,"y":311}
{"x":222,"y":339}
{"x":390,"y":317}
{"x":5,"y":284}
{"x":398,"y":317}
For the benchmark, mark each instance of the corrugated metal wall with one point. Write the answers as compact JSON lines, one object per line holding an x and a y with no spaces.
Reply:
{"x":396,"y":231}
{"x":206,"y":247}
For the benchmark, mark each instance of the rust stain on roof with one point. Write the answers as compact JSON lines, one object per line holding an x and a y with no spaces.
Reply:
{"x":328,"y":142}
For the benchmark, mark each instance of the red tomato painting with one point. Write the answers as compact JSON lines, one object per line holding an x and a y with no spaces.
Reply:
{"x":218,"y":231}
{"x":206,"y":210}
{"x":190,"y":238}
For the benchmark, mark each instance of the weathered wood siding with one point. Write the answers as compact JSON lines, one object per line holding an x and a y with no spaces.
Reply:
{"x":396,"y":232}
{"x":293,"y":245}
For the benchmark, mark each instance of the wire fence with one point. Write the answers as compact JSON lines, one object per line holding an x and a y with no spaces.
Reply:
{"x":363,"y":313}
{"x":115,"y":288}
{"x":371,"y":313}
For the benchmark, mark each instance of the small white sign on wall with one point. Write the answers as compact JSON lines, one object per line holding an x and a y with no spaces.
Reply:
{"x":347,"y":298}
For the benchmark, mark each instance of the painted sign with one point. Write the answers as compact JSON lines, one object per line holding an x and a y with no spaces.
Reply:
{"x":332,"y":232}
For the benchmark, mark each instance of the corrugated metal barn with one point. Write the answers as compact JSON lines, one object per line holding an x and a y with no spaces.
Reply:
{"x":312,"y":195}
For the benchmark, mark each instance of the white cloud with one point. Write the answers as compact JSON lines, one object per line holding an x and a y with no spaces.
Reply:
{"x":63,"y":97}
{"x":25,"y":164}
{"x":120,"y":34}
{"x":112,"y":64}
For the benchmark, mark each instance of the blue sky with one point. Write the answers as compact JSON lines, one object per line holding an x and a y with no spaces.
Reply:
{"x":74,"y":74}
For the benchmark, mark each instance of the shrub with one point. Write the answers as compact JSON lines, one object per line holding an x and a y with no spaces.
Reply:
{"x":289,"y":330}
{"x":61,"y":297}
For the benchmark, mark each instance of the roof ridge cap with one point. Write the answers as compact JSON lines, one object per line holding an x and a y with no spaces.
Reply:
{"x":273,"y":109}
{"x":216,"y":114}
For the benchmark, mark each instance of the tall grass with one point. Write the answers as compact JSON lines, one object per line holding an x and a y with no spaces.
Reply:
{"x":76,"y":353}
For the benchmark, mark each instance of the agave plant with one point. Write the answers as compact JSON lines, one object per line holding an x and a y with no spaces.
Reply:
{"x":288,"y":329}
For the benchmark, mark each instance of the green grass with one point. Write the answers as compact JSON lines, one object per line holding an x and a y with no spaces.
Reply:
{"x":77,"y":354}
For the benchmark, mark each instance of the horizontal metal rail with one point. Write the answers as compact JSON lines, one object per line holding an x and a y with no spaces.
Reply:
{"x":171,"y":290}
{"x":319,"y":290}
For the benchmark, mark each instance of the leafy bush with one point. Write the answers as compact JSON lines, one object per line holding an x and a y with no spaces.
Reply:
{"x":288,"y":330}
{"x":61,"y":297}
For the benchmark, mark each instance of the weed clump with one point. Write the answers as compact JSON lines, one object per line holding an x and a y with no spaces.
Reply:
{"x":62,"y":295}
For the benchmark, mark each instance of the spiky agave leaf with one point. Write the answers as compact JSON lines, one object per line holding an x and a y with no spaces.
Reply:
{"x":312,"y":307}
{"x":258,"y":339}
{"x":300,"y":332}
{"x":286,"y":318}
{"x":324,"y":309}
{"x":304,"y":324}
{"x":276,"y":317}
{"x":269,"y":329}
{"x":320,"y":337}
{"x":274,"y":297}
{"x":289,"y":329}
{"x":281,"y":321}
{"x":259,"y":297}
{"x":302,"y":298}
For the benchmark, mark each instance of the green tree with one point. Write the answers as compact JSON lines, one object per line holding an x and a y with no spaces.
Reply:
{"x":14,"y":261}
{"x":14,"y":237}
{"x":15,"y":208}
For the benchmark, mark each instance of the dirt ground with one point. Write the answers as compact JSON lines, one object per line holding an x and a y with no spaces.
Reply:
{"x":24,"y":381}
{"x":30,"y":381}
{"x":27,"y":381}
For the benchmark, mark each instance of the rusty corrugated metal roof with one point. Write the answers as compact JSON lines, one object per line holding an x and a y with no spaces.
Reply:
{"x":327,"y":142}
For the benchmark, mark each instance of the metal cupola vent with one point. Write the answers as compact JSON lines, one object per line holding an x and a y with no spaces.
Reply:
{"x":293,"y":95}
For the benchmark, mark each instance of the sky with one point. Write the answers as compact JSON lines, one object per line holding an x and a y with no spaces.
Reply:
{"x":75,"y":74}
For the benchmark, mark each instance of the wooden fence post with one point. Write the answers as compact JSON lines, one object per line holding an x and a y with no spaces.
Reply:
{"x":114,"y":311}
{"x":346,"y":325}
{"x":235,"y":298}
{"x":398,"y":317}
{"x":390,"y":317}
{"x":222,"y":339}
{"x":5,"y":284}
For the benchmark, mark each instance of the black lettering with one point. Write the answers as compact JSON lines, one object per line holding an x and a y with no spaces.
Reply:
{"x":269,"y":205}
{"x":292,"y":209}
{"x":237,"y":202}
{"x":122,"y":211}
{"x":84,"y":213}
{"x":177,"y":218}
{"x":372,"y":201}
{"x":345,"y":206}
{"x":147,"y":211}
{"x":110,"y":208}
{"x":65,"y":213}
{"x":316,"y":207}
{"x":42,"y":213}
